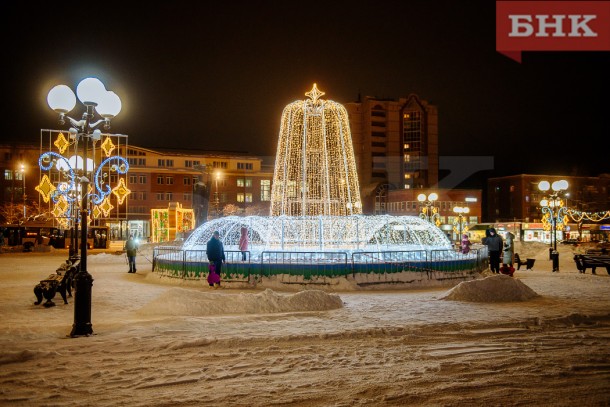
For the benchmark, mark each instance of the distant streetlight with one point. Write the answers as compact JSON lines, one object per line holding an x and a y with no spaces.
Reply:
{"x":554,"y":213}
{"x":24,"y":196}
{"x":429,"y":212}
{"x":461,"y":224}
{"x":93,"y":95}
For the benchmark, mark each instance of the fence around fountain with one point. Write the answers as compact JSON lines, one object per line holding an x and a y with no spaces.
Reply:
{"x":175,"y":262}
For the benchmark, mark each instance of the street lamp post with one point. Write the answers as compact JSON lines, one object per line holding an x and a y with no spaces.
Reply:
{"x":429,"y":212}
{"x":94,"y":96}
{"x":554,"y":213}
{"x":24,"y":196}
{"x":461,"y":222}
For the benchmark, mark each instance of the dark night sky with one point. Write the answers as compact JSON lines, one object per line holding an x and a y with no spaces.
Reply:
{"x":218,"y":77}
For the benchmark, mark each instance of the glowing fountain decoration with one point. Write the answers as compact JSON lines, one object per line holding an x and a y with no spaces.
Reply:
{"x":316,"y":202}
{"x":315,"y":169}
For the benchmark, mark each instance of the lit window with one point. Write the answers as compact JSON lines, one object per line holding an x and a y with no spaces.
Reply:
{"x":265,"y":190}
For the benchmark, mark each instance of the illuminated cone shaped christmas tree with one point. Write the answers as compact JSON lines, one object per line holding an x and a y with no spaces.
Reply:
{"x":315,"y":170}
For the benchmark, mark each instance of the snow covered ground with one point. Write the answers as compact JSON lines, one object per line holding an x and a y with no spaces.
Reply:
{"x":547,"y":342}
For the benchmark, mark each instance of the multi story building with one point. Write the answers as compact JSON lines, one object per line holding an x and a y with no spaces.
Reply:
{"x":516,"y":198}
{"x":405,"y":203}
{"x":235,"y":183}
{"x":157,"y":178}
{"x":18,"y":177}
{"x":395,"y":144}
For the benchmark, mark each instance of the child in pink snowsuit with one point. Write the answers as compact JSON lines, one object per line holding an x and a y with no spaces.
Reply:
{"x":213,"y":278}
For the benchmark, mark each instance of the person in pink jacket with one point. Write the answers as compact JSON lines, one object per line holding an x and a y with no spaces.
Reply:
{"x":465,"y":244}
{"x":243,"y":243}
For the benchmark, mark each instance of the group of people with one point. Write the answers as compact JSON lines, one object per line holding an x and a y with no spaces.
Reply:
{"x":497,"y":247}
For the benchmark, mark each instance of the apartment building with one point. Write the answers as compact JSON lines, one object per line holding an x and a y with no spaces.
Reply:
{"x":395,"y":144}
{"x":214,"y":182}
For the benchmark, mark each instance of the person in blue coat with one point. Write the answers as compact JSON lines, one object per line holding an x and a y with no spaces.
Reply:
{"x":215,"y":251}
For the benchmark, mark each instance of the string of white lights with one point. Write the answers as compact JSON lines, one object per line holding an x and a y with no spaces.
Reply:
{"x":315,"y":167}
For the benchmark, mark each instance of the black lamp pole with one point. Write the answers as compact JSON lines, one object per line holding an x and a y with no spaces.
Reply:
{"x":83,"y":281}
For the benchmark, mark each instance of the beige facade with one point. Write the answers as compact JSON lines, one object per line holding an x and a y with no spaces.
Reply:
{"x":160,"y":176}
{"x":395,"y":143}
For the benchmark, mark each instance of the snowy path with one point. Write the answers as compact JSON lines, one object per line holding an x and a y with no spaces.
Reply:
{"x":156,"y":345}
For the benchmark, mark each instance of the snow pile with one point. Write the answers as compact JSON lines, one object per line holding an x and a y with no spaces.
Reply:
{"x":496,"y":288}
{"x":183,"y":302}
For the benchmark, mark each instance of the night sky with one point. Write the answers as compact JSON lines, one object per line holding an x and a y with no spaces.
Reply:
{"x":217,"y":77}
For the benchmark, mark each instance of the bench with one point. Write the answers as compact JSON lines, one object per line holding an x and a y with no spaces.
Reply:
{"x":585,"y":261}
{"x":601,"y":251}
{"x":60,"y":281}
{"x":528,"y":263}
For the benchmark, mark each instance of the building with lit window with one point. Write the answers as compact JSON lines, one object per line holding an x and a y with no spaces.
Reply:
{"x":396,"y":146}
{"x":157,"y":178}
{"x":18,"y":169}
{"x":404,"y":202}
{"x":516,"y":198}
{"x":237,"y":183}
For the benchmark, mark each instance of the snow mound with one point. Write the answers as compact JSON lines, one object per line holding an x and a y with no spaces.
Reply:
{"x":179,"y":301}
{"x":496,"y":288}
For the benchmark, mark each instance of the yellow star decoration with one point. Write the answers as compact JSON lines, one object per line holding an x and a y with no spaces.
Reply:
{"x":121,"y":191}
{"x":97,"y":211}
{"x":60,"y":207}
{"x":61,"y":143}
{"x":106,"y":207}
{"x":57,"y":212}
{"x":45,"y":188}
{"x":108,"y":146}
{"x":63,"y":222}
{"x":314,"y":94}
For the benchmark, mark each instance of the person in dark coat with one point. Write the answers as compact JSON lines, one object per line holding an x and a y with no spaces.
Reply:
{"x":131,"y":249}
{"x":216,"y":252}
{"x":494,"y":246}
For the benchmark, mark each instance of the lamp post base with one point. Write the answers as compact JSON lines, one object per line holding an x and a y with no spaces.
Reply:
{"x":83,"y":282}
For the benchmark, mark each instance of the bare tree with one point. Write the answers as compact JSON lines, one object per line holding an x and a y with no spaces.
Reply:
{"x":230,"y":210}
{"x":12,"y":213}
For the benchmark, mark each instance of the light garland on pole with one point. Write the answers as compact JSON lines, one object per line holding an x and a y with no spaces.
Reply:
{"x":461,"y":224}
{"x":77,"y":172}
{"x":554,"y":213}
{"x":315,"y":168}
{"x":429,"y":212}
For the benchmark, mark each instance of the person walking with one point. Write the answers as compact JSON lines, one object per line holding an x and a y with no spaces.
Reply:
{"x":131,"y":249}
{"x":243,"y":243}
{"x":494,"y":246}
{"x":216,"y":252}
